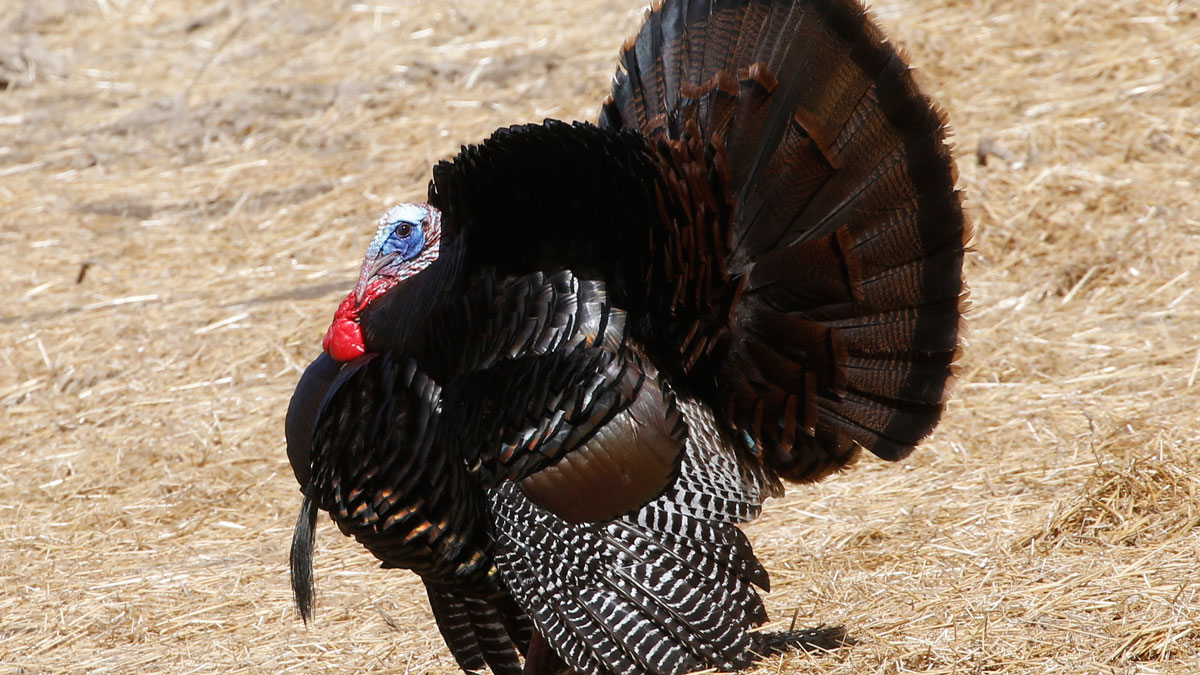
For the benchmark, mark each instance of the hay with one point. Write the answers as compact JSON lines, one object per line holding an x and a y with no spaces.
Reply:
{"x":185,"y":191}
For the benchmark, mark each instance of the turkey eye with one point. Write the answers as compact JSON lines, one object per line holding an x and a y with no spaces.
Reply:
{"x":404,"y":230}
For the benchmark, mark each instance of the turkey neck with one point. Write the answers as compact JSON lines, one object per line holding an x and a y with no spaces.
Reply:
{"x":396,"y":321}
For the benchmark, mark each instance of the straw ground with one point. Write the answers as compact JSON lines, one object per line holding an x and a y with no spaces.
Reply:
{"x":186,"y":188}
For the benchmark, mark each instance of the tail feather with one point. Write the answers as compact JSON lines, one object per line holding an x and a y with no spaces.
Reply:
{"x":914,"y":332}
{"x":756,"y":83}
{"x":889,"y":427}
{"x":835,"y":320}
{"x":911,"y":284}
{"x":905,"y":380}
{"x":794,"y":175}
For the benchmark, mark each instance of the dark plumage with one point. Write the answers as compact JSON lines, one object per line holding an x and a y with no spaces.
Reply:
{"x":560,"y":385}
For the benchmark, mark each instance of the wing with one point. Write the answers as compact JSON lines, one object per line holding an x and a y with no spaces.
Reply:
{"x":666,"y":589}
{"x":549,"y":392}
{"x":770,"y":200}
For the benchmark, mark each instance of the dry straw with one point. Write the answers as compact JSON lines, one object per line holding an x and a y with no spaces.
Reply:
{"x":185,"y":189}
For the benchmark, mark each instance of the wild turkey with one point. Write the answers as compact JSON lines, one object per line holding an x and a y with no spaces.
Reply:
{"x":559,"y":385}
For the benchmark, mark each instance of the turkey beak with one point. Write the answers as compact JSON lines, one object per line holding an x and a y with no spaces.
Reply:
{"x":369,"y":272}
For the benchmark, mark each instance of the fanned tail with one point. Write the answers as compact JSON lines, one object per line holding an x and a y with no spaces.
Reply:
{"x":820,"y":300}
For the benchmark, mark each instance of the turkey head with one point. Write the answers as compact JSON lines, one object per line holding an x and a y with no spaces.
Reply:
{"x":407,"y":242}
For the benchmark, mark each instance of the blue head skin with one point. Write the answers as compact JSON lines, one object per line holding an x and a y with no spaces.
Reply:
{"x":407,"y":241}
{"x":400,"y":236}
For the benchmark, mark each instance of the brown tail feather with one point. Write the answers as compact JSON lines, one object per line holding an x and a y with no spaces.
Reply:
{"x":834,"y":321}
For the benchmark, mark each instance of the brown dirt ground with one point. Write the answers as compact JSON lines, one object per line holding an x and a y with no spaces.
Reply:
{"x":186,"y":188}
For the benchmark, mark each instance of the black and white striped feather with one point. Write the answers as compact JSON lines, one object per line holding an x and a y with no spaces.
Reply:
{"x":666,"y":589}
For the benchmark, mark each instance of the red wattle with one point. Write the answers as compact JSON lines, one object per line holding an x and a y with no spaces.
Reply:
{"x":344,"y":340}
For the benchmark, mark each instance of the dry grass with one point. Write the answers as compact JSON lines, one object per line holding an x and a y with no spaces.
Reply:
{"x":185,"y":190}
